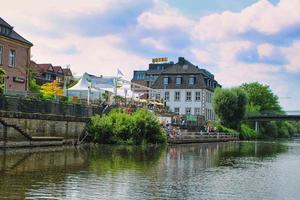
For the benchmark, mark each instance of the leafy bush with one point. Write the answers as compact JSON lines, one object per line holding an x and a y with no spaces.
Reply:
{"x":33,"y":86}
{"x":247,"y":133}
{"x":119,"y":127}
{"x":221,"y":128}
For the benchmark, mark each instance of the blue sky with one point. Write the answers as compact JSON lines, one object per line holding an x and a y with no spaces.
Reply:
{"x":237,"y":40}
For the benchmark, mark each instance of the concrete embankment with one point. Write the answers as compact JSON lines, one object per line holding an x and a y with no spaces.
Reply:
{"x":28,"y":123}
{"x":27,"y":129}
{"x":185,"y":137}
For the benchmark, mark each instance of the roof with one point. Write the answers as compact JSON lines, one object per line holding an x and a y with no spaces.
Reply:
{"x":185,"y":70}
{"x":34,"y":67}
{"x":4,"y":23}
{"x":12,"y":34}
{"x":57,"y":68}
{"x":182,"y":67}
{"x":67,"y":72}
{"x":44,"y":67}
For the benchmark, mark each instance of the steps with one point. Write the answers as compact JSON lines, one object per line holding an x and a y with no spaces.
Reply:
{"x":27,"y":136}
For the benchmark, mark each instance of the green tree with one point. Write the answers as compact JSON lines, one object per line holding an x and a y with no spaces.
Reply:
{"x":33,"y":86}
{"x":262,"y":96}
{"x":230,"y":106}
{"x":2,"y":74}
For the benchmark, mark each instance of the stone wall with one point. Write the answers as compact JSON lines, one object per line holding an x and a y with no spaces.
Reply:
{"x":41,"y":125}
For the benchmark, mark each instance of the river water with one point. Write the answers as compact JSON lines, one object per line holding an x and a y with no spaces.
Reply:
{"x":233,"y":170}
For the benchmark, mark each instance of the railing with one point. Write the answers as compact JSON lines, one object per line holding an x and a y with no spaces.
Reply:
{"x":21,"y":104}
{"x":266,"y":113}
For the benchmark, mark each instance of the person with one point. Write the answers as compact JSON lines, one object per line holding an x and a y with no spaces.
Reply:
{"x":129,"y":110}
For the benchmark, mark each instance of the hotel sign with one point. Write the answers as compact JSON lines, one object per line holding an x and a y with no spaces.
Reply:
{"x":158,"y":60}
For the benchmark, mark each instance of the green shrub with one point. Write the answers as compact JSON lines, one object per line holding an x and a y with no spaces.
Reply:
{"x":119,"y":127}
{"x":221,"y":128}
{"x":269,"y":130}
{"x":247,"y":133}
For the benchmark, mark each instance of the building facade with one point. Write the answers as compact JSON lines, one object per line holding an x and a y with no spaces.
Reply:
{"x":186,"y":89}
{"x":14,"y":59}
{"x":59,"y":74}
{"x":148,"y":77}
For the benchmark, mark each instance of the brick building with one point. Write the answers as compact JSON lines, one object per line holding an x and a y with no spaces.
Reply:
{"x":14,"y":58}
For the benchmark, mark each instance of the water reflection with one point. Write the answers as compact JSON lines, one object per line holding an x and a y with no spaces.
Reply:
{"x":208,"y":171}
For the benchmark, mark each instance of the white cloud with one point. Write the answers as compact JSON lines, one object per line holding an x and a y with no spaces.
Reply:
{"x":202,"y":56}
{"x":157,"y":44}
{"x":164,"y":18}
{"x":265,"y":50}
{"x":292,"y":55}
{"x":97,"y":55}
{"x":261,"y":16}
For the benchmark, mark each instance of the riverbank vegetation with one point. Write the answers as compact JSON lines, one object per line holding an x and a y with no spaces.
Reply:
{"x":122,"y":127}
{"x":233,"y":105}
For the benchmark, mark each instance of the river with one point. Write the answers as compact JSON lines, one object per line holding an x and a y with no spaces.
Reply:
{"x":232,"y":170}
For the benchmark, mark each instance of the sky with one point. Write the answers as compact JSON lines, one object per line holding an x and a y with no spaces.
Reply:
{"x":238,"y":41}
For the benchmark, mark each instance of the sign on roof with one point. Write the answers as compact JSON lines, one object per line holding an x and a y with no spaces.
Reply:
{"x":159,"y":60}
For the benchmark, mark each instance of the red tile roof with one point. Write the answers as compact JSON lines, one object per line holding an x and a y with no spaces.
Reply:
{"x":44,"y":67}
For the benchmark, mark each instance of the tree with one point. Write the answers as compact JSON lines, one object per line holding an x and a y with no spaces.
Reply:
{"x":33,"y":86}
{"x":230,"y":106}
{"x":2,"y":74}
{"x":51,"y":90}
{"x":262,"y":96}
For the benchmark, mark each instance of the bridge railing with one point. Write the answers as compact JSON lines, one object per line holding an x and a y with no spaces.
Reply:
{"x":266,"y":113}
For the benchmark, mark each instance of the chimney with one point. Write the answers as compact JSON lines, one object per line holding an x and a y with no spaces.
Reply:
{"x":181,"y":60}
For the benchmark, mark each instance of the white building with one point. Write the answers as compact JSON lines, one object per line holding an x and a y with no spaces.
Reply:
{"x":186,"y":89}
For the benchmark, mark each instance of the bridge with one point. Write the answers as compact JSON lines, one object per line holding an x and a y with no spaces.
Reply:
{"x":267,"y":116}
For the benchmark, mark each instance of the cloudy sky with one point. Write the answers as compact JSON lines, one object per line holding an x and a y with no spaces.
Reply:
{"x":239,"y":41}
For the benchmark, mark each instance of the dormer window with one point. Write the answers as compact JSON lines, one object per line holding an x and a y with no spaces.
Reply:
{"x":191,"y":80}
{"x":166,"y":80}
{"x":178,"y":80}
{"x":4,"y":30}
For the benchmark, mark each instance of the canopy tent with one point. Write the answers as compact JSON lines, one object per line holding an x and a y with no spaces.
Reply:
{"x":92,"y":87}
{"x":81,"y":90}
{"x":98,"y":85}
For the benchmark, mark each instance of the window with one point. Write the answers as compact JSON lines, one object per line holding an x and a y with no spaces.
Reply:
{"x":177,"y":96}
{"x":187,"y":111}
{"x":166,"y":80}
{"x":178,"y":81}
{"x":48,"y":77}
{"x":1,"y":54}
{"x":157,"y":96}
{"x":12,"y":58}
{"x":208,"y":97}
{"x":197,"y":111}
{"x":197,"y":96}
{"x":191,"y":80}
{"x":167,"y":96}
{"x":188,"y":96}
{"x":177,"y":111}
